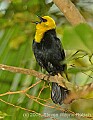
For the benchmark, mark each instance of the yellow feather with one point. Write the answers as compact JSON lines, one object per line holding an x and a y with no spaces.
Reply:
{"x":42,"y":27}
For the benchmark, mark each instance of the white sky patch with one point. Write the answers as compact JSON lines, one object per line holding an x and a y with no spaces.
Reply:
{"x":4,"y":5}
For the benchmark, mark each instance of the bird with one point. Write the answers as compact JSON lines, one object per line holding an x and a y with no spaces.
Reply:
{"x":49,"y":54}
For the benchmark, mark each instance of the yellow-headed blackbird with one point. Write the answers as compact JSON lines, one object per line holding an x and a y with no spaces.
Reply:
{"x":49,"y":54}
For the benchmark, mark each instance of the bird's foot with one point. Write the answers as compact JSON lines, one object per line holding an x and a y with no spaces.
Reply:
{"x":48,"y":76}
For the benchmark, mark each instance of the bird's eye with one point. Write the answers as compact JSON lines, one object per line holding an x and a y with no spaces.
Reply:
{"x":41,"y":19}
{"x":44,"y":20}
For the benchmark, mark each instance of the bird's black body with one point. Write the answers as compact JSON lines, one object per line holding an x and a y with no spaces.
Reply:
{"x":49,"y":55}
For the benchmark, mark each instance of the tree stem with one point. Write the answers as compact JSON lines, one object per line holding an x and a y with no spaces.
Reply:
{"x":70,"y":11}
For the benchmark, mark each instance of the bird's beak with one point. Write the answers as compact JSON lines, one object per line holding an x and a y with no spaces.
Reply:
{"x":37,"y":22}
{"x":41,"y":19}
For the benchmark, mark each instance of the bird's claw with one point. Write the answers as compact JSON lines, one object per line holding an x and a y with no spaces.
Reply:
{"x":48,"y":76}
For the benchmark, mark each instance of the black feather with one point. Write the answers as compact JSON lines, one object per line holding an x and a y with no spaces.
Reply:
{"x":49,"y":54}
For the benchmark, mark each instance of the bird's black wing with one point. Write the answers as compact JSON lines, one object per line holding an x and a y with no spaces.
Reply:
{"x":58,"y":42}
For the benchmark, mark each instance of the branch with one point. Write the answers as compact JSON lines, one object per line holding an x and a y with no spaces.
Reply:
{"x":57,"y":79}
{"x":84,"y":92}
{"x":76,"y":92}
{"x":70,"y":11}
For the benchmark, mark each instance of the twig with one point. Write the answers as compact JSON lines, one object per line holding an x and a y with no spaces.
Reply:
{"x":20,"y":91}
{"x":19,"y":107}
{"x":57,"y":107}
{"x":28,"y":110}
{"x":36,"y":99}
{"x":70,"y":11}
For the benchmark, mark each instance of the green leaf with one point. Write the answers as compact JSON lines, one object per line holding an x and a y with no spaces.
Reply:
{"x":78,"y":38}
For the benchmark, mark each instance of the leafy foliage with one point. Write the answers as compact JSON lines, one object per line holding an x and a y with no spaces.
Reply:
{"x":78,"y":38}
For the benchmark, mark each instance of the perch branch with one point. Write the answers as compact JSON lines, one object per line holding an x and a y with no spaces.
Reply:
{"x":76,"y":92}
{"x":33,"y":73}
{"x":70,"y":11}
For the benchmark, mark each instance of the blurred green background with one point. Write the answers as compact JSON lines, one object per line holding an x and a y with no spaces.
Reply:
{"x":16,"y":37}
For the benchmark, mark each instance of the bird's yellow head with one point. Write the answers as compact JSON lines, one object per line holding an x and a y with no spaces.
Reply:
{"x":46,"y":23}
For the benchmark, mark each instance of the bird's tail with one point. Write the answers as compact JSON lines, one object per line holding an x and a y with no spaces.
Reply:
{"x":58,"y":93}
